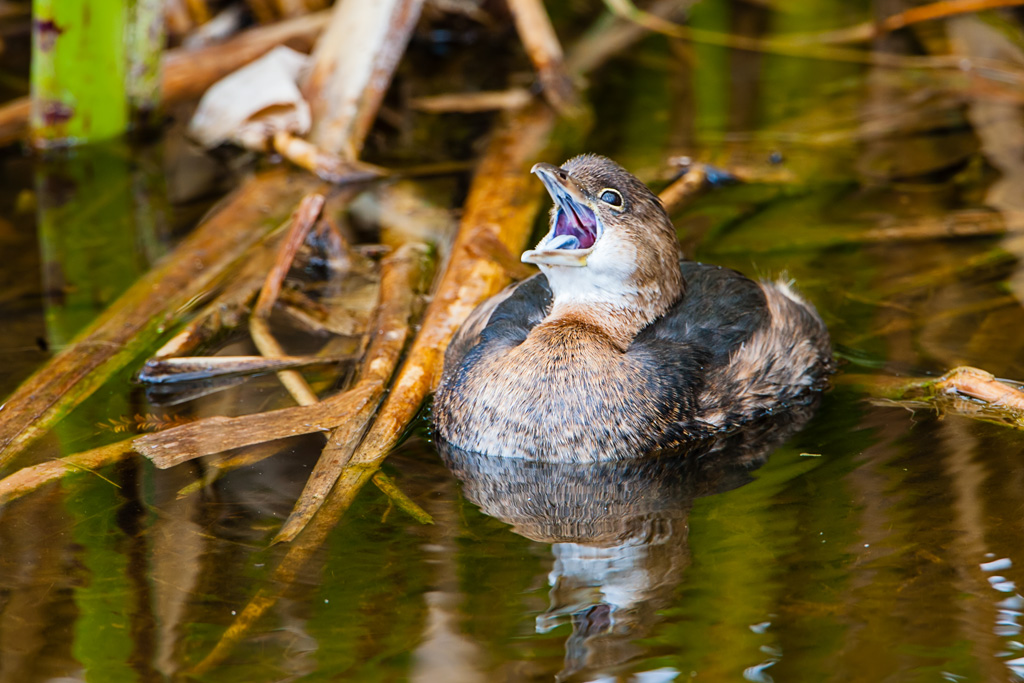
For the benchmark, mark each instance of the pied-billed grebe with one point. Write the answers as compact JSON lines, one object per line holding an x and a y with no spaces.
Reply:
{"x":618,"y":347}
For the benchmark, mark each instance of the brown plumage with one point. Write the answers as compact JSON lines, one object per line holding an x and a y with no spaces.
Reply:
{"x":618,"y":347}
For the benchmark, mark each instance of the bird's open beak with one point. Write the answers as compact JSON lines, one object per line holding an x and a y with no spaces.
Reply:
{"x":574,"y":225}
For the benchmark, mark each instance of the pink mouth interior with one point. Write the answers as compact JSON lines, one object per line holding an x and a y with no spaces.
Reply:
{"x":576,"y":221}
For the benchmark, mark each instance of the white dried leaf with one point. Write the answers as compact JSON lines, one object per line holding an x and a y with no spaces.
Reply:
{"x":253,"y":103}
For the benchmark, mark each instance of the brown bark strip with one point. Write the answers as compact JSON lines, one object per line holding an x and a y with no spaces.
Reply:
{"x":218,"y":434}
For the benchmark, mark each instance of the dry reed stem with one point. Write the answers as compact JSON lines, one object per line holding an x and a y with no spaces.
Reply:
{"x":212,"y":435}
{"x":542,"y":46}
{"x":869,"y":30}
{"x":352,"y":68}
{"x":799,"y":46}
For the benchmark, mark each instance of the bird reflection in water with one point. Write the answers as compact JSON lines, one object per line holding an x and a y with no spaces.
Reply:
{"x":618,"y":530}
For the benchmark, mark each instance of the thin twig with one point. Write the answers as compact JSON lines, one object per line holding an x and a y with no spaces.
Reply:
{"x":302,"y":222}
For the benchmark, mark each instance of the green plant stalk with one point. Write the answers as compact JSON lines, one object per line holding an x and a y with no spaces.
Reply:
{"x":78,"y":71}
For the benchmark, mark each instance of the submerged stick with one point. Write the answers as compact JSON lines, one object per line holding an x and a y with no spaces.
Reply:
{"x":28,"y":479}
{"x":965,"y":391}
{"x":141,"y":314}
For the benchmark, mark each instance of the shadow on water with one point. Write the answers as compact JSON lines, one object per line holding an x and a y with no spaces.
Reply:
{"x":617,"y":530}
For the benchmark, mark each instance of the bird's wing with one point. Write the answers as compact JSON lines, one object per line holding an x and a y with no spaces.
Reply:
{"x":719,"y":311}
{"x":507,"y":317}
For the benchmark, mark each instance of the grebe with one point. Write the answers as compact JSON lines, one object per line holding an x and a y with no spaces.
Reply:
{"x":619,"y":347}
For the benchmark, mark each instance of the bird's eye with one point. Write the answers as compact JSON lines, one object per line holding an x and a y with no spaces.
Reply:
{"x":612,"y":197}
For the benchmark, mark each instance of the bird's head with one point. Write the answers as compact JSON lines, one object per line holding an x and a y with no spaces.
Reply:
{"x":610,"y":244}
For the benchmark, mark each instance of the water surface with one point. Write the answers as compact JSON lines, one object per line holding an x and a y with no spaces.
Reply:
{"x":864,"y":542}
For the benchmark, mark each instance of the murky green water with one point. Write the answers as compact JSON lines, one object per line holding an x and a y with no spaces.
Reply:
{"x":873,"y":544}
